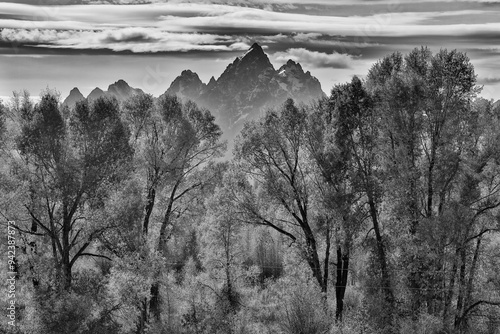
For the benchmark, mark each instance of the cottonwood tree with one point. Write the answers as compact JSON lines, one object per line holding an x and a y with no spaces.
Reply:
{"x":328,"y":135}
{"x":272,"y":153}
{"x":175,"y":142}
{"x":222,"y":233}
{"x":358,"y":134}
{"x":436,"y":148}
{"x":71,"y":166}
{"x":478,"y":199}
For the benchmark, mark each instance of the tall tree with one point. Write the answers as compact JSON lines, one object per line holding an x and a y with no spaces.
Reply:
{"x":272,"y":153}
{"x":222,"y":236}
{"x":359,"y":137}
{"x":434,"y":151}
{"x":175,"y":142}
{"x":341,"y":200}
{"x":71,"y":166}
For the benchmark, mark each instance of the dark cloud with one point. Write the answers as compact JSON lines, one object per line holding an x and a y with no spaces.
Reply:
{"x":20,"y":17}
{"x":134,"y":37}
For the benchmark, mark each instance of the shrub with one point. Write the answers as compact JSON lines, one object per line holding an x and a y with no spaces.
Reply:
{"x":425,"y":324}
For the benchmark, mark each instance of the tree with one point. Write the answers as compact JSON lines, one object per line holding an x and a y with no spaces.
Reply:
{"x":358,"y":136}
{"x":328,"y":145}
{"x":222,"y":235}
{"x":434,"y":150}
{"x":71,"y":167}
{"x":272,"y":154}
{"x":175,"y":142}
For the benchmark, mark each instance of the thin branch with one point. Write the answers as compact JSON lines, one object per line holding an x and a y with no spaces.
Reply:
{"x":26,"y":231}
{"x":476,"y":304}
{"x":187,"y":190}
{"x":96,"y":255}
{"x":481,"y":233}
{"x":38,"y":221}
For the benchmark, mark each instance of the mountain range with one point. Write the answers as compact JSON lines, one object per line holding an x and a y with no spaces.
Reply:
{"x":247,"y":87}
{"x":120,"y":90}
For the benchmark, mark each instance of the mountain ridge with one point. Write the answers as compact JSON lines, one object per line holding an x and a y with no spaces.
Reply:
{"x":120,"y":89}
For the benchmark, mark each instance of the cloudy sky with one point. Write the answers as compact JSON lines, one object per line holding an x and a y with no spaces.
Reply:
{"x":85,"y":43}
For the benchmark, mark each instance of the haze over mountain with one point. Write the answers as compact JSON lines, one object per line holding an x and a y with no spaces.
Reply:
{"x":248,"y":87}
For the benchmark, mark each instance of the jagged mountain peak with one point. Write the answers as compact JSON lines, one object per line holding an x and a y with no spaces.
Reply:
{"x":246,"y":70}
{"x":190,"y":74}
{"x":188,"y":85}
{"x":291,"y":67}
{"x":75,"y":90}
{"x":256,"y":46}
{"x":254,"y":51}
{"x":120,"y":89}
{"x":74,"y":96}
{"x":95,"y":94}
{"x":119,"y":84}
{"x":255,"y":57}
{"x":97,"y":90}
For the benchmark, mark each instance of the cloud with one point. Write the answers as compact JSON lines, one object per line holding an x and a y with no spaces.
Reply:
{"x":488,"y":80}
{"x":230,"y":25}
{"x":315,"y":59}
{"x":137,"y":40}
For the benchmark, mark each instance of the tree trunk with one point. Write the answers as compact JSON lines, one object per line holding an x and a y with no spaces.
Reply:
{"x":230,"y":295}
{"x":166,"y":220}
{"x":65,"y":256}
{"x":386,"y":281}
{"x":449,"y":293}
{"x":312,"y":256}
{"x":430,"y":181}
{"x":148,"y":209}
{"x":461,"y":288}
{"x":33,"y":251}
{"x":327,"y":257}
{"x":143,"y":317}
{"x":341,"y":282}
{"x":154,"y":303}
{"x":472,"y":273}
{"x":381,"y":252}
{"x":461,"y":319}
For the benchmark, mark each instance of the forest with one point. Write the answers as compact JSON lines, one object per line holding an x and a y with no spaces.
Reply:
{"x":374,"y":210}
